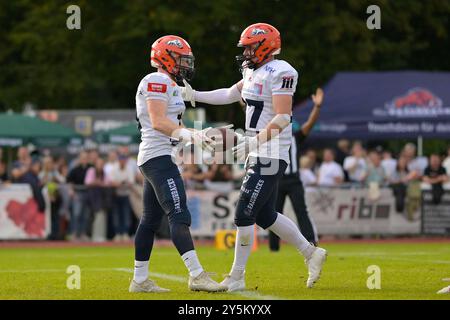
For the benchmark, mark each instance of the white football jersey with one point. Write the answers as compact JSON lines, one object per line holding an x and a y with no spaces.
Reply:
{"x":274,"y":78}
{"x":157,"y":86}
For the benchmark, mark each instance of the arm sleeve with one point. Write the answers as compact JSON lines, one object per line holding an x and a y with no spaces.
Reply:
{"x":155,"y":87}
{"x":219,"y":96}
{"x":285,"y":82}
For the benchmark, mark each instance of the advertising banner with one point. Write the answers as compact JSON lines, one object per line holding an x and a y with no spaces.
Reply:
{"x":19,"y":215}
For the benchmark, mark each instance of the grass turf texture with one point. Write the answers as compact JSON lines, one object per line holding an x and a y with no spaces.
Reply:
{"x":408,"y":271}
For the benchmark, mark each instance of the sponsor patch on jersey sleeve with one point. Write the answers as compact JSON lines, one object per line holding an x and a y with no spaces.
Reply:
{"x":157,"y":87}
{"x":287,"y":82}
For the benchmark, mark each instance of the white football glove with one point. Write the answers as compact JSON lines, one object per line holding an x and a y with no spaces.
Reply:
{"x":200,"y":139}
{"x":244,"y":147}
{"x":187,"y":93}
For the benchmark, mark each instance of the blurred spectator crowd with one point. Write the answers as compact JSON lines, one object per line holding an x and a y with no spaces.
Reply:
{"x":97,"y":198}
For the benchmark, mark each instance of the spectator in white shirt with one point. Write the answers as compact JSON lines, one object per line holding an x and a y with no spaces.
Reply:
{"x":111,"y":163}
{"x":330,"y":172}
{"x":356,"y":164}
{"x":388,"y":163}
{"x":307,"y":176}
{"x":446,"y":163}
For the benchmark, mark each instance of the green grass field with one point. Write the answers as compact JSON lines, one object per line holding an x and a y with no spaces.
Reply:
{"x":408,"y":271}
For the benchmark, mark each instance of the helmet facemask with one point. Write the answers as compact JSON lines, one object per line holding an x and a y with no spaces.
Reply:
{"x":184,"y":67}
{"x":246,"y":60}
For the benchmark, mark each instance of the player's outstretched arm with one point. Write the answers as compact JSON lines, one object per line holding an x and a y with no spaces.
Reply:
{"x":215,"y":97}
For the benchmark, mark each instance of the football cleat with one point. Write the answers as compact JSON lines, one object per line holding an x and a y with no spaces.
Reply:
{"x":234,"y":284}
{"x":315,"y":264}
{"x":146,"y":286}
{"x":203,"y":282}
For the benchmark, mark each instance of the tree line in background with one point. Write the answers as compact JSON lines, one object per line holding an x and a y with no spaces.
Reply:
{"x":100,"y":66}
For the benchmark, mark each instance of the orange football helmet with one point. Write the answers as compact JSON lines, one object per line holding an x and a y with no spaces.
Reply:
{"x":173,"y":54}
{"x":267,"y":40}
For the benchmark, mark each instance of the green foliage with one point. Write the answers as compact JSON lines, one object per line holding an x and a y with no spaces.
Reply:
{"x":99,"y":66}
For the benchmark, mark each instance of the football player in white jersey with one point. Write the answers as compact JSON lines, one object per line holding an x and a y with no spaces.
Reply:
{"x":159,"y":108}
{"x":267,"y":88}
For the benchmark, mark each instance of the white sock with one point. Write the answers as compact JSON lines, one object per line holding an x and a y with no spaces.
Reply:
{"x":287,"y":230}
{"x":140,"y":271}
{"x":190,"y":259}
{"x":242,"y":249}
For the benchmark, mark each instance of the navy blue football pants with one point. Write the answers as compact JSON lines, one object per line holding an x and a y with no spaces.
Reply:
{"x":258,"y":194}
{"x":164,"y":193}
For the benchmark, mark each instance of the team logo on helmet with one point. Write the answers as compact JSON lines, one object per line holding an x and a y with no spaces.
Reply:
{"x":257,"y":31}
{"x":176,"y":43}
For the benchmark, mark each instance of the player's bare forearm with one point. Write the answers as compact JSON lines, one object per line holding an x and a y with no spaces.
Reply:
{"x":165,"y":126}
{"x":314,"y":115}
{"x":269,"y":132}
{"x":157,"y":110}
{"x":282,"y":105}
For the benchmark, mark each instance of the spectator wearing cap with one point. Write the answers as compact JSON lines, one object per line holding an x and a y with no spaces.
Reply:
{"x":330,"y":172}
{"x":435,"y":174}
{"x":356,"y":165}
{"x":122,"y":179}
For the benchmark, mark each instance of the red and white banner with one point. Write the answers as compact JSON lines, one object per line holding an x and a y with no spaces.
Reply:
{"x":19,"y":215}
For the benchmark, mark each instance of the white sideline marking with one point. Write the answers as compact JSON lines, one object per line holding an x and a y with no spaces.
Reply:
{"x":246,"y":294}
{"x":378,"y":253}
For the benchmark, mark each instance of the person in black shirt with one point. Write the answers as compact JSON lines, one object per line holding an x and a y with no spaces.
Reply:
{"x":31,"y":177}
{"x":435,"y":174}
{"x":291,"y":185}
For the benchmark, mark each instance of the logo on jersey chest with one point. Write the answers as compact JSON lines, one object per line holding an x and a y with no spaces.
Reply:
{"x":258,"y":87}
{"x":157,"y":87}
{"x":254,"y":88}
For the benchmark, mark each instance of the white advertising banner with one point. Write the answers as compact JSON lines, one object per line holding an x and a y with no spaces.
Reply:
{"x":350,"y":211}
{"x":334,"y":212}
{"x":19,"y":215}
{"x":211,"y":211}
